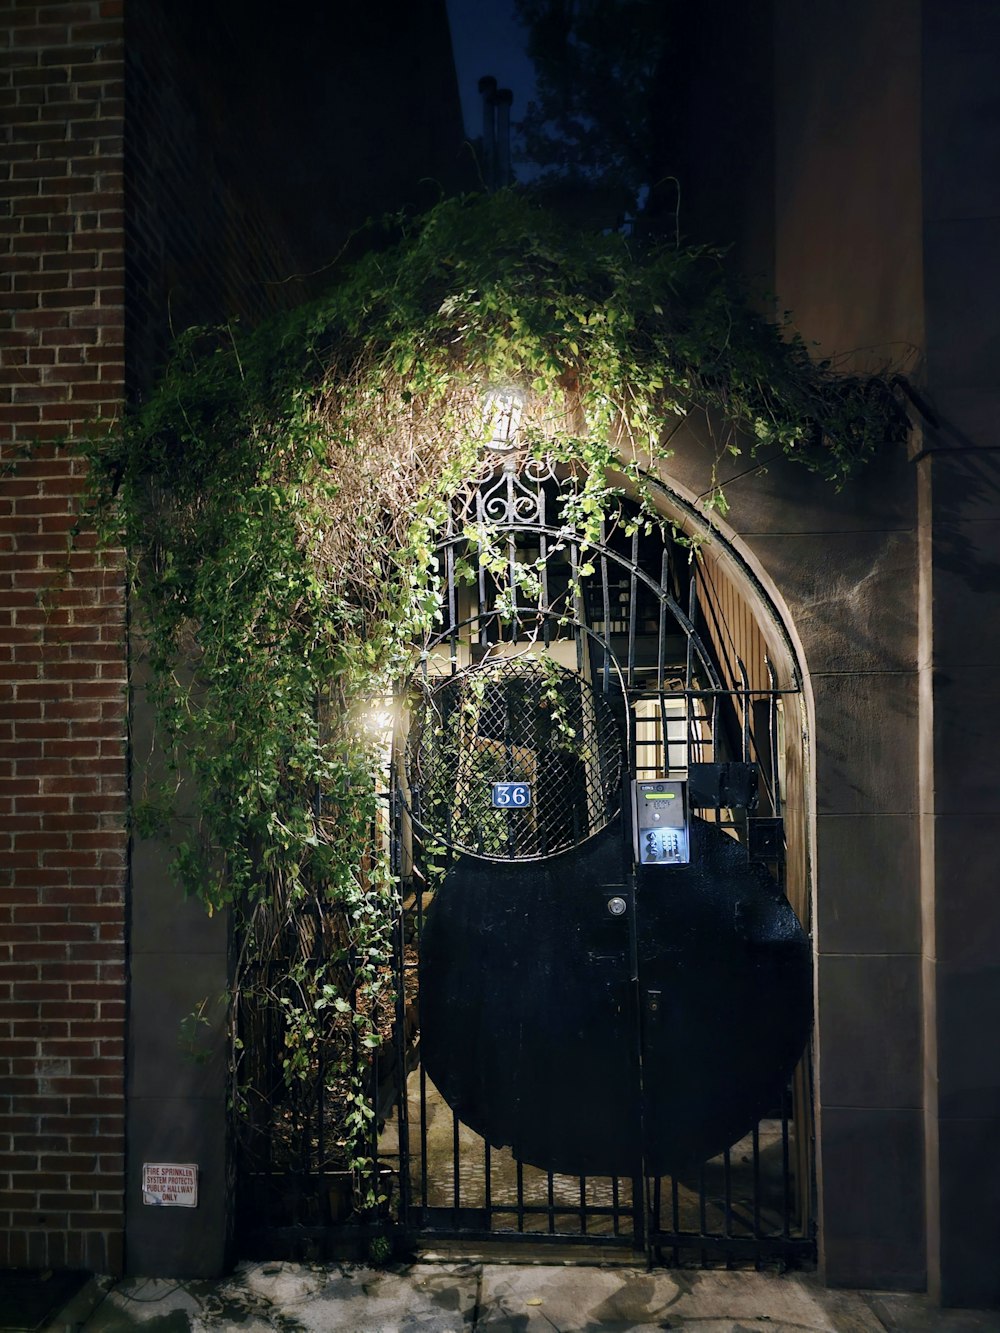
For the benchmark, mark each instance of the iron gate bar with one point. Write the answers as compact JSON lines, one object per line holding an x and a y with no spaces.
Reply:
{"x":605,"y":606}
{"x":788,"y":1250}
{"x":662,"y":592}
{"x":483,"y":640}
{"x":772,"y":729}
{"x":454,"y":745}
{"x":584,"y":600}
{"x":691,"y":694}
{"x":543,"y":1238}
{"x":489,"y":1176}
{"x":543,"y":556}
{"x":399,"y":972}
{"x":694,"y":692}
{"x":512,"y":577}
{"x":633,"y":597}
{"x":787,"y":1201}
{"x":692,"y":608}
{"x":579,"y":609}
{"x":452,"y":606}
{"x":722,"y":693}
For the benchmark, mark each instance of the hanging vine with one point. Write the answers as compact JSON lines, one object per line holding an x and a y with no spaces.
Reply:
{"x":278,"y":498}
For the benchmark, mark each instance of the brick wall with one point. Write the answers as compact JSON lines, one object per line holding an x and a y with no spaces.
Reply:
{"x":62,"y":658}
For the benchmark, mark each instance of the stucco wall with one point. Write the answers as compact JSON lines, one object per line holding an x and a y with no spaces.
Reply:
{"x":959,"y":468}
{"x":847,"y":265}
{"x":886,"y":143}
{"x":847,"y":177}
{"x":838,"y":190}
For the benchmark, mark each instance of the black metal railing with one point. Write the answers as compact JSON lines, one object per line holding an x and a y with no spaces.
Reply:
{"x":646,"y":694}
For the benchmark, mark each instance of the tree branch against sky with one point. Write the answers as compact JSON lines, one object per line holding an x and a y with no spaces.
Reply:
{"x":600,"y":70}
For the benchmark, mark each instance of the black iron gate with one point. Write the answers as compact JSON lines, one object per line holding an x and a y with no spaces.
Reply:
{"x":590,"y":1046}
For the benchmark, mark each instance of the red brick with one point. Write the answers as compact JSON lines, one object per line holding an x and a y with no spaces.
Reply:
{"x":56,"y":640}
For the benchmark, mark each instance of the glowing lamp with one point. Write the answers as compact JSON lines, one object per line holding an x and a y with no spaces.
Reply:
{"x":501,"y":419}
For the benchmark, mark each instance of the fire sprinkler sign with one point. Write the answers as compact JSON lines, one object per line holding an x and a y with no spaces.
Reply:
{"x":170,"y":1184}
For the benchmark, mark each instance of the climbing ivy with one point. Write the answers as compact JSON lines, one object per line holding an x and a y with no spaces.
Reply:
{"x":278,"y":498}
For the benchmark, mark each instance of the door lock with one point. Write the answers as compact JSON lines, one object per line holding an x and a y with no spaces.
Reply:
{"x":617,"y":906}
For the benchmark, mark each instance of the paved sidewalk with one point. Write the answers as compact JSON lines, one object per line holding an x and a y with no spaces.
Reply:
{"x":501,"y":1298}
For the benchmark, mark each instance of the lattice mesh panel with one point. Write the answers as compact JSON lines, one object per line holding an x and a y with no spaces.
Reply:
{"x":521,"y":720}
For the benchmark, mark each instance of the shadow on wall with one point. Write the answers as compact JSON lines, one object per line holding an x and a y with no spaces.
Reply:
{"x":966,"y":481}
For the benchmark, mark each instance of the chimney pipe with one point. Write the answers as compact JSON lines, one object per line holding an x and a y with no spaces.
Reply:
{"x":502,"y":100}
{"x":487,"y":90}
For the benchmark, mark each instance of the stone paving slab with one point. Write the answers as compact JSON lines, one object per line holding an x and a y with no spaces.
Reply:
{"x":914,"y":1314}
{"x":297,"y":1298}
{"x":575,"y":1299}
{"x":29,"y":1297}
{"x":507,"y":1298}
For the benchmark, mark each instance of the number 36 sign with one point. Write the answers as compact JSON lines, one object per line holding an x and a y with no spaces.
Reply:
{"x":510,"y":795}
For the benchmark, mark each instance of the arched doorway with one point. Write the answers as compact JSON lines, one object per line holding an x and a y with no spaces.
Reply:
{"x":603,"y":966}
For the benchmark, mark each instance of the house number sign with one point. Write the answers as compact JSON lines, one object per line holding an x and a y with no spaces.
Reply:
{"x":510,"y":795}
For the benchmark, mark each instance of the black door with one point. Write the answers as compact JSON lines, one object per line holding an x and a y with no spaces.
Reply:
{"x":597,"y":1018}
{"x":604,"y":1049}
{"x":602,"y":1019}
{"x":584,"y":1050}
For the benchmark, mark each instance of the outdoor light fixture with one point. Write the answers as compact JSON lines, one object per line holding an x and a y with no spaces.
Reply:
{"x":378,"y":722}
{"x":501,"y":418}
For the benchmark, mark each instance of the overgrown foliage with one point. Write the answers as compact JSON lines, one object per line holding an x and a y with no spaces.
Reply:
{"x":279,"y":497}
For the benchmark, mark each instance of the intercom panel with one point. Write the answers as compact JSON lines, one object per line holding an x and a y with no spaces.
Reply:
{"x":660,"y":822}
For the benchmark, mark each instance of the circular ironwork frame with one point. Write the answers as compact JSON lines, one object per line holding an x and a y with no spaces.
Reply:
{"x":569,"y":537}
{"x":439,"y":835}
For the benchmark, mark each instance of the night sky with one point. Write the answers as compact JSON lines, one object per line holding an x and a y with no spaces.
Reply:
{"x":487,"y":39}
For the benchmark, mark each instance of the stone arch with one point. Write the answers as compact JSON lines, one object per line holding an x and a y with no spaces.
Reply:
{"x":749,"y":599}
{"x":839,"y":569}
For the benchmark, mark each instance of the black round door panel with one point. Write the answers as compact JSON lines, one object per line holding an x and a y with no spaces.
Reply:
{"x":726,"y":995}
{"x":545,"y":987}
